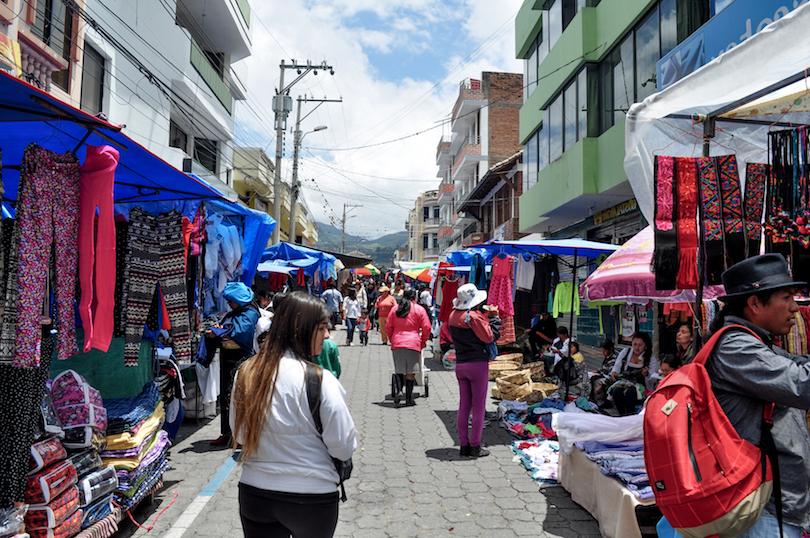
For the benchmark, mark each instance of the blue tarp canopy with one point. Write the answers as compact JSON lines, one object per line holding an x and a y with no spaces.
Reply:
{"x":559,"y":247}
{"x":310,"y":259}
{"x":464,"y":257}
{"x":29,"y":115}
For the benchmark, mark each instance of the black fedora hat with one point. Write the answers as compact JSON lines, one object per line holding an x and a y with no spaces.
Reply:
{"x":760,"y":273}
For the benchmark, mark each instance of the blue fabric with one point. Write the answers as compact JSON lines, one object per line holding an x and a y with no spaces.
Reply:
{"x":767,"y":526}
{"x":123,"y":414}
{"x":242,"y":322}
{"x":309,"y":259}
{"x":238,"y":292}
{"x":27,"y":115}
{"x":558,"y":247}
{"x":478,"y":272}
{"x":463,"y":258}
{"x":256,"y":228}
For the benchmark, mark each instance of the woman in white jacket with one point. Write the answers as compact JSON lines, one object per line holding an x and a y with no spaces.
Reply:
{"x":289,"y":484}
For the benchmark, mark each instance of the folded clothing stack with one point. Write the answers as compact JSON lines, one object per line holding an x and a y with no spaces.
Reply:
{"x":51,"y":492}
{"x":79,"y":408}
{"x":529,"y":421}
{"x":540,"y":457}
{"x":623,"y":461}
{"x":137,"y":448}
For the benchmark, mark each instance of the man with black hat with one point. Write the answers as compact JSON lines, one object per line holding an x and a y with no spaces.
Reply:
{"x":748,"y":372}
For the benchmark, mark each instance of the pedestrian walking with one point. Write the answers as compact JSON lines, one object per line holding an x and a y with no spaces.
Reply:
{"x":372,"y":293}
{"x":363,"y":325}
{"x":362,"y":296}
{"x":474,"y":332}
{"x":289,"y":484}
{"x":385,"y":303}
{"x":234,"y":334}
{"x":351,"y":311}
{"x":334,"y":303}
{"x":409,"y":330}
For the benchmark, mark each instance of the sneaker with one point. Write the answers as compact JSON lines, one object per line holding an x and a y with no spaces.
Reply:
{"x":464,"y":451}
{"x":478,"y":452}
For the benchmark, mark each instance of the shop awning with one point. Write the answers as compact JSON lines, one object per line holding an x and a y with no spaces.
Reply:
{"x":759,"y":85}
{"x":301,"y":256}
{"x":559,"y":247}
{"x":29,"y":115}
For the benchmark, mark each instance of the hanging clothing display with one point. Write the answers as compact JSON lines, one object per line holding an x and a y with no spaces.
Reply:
{"x":478,"y":272}
{"x":756,"y":177}
{"x":721,"y":197}
{"x":48,"y":220}
{"x":562,"y":299}
{"x":97,"y":246}
{"x":155,"y":256}
{"x":449,"y":292}
{"x":665,"y":255}
{"x":686,"y":223}
{"x":500,"y":287}
{"x":524,"y":273}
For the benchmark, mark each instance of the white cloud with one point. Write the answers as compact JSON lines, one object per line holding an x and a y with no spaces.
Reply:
{"x":375,"y":109}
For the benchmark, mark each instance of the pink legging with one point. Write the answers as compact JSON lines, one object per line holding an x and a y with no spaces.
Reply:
{"x":473,"y":383}
{"x":97,"y":246}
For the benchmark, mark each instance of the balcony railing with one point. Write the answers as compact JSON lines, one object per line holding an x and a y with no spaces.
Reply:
{"x":209,"y":74}
{"x":430,"y":222}
{"x":468,"y":89}
{"x":244,"y":9}
{"x":472,"y":148}
{"x":430,"y":252}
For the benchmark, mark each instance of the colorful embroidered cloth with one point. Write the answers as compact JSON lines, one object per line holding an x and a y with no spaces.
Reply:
{"x":124,"y":414}
{"x":126,"y":440}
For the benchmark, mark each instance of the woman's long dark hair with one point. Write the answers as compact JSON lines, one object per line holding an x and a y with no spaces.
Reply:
{"x":644,"y":337}
{"x":351,"y":293}
{"x":295,"y":322}
{"x":404,"y":307}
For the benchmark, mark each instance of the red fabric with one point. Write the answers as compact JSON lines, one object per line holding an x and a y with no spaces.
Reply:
{"x":70,"y":527}
{"x":97,"y":246}
{"x":449,"y":292}
{"x":165,"y":322}
{"x":410,"y":332}
{"x":54,"y":513}
{"x":500,"y":287}
{"x":301,"y":278}
{"x":444,"y":335}
{"x":507,"y":331}
{"x":276,"y":281}
{"x":186,"y":240}
{"x":684,"y":423}
{"x":686,"y":223}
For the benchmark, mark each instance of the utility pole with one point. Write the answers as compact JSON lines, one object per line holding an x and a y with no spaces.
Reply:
{"x":343,"y":225}
{"x":282,"y":106}
{"x":298,"y":137}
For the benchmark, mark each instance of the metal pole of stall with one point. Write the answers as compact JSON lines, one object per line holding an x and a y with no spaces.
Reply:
{"x":568,"y":365}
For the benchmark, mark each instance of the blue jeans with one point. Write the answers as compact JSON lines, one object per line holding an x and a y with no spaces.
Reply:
{"x":351,"y":323}
{"x":768,"y":527}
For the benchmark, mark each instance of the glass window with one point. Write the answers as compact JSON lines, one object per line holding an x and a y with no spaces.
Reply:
{"x":569,"y":11}
{"x":647,"y":54}
{"x":425,"y":241}
{"x":542,"y":42}
{"x":623,"y":79}
{"x":206,"y":152}
{"x":531,"y":163}
{"x":435,"y":212}
{"x":570,"y":115}
{"x":720,"y":5}
{"x":691,"y":16}
{"x":669,"y":25}
{"x":425,"y":213}
{"x":177,"y":137}
{"x":605,"y":95}
{"x":555,"y":129}
{"x":531,"y":82}
{"x":92,"y":98}
{"x":582,"y":104}
{"x":542,"y":145}
{"x":555,"y":27}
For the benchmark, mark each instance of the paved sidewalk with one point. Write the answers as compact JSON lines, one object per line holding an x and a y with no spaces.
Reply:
{"x":408,"y":478}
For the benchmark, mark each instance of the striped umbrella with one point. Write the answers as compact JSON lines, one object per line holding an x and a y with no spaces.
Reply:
{"x":367,"y":270}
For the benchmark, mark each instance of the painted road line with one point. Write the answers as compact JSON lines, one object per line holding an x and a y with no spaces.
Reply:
{"x":186,"y":519}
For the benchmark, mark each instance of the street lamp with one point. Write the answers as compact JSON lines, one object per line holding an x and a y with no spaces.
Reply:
{"x":298,"y":138}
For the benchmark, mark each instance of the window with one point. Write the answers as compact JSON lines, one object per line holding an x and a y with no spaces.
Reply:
{"x":647,"y":54}
{"x":669,"y":25}
{"x":531,"y":71}
{"x":206,"y":152}
{"x":530,"y":175}
{"x":425,"y":241}
{"x":425,"y":213}
{"x":93,"y":72}
{"x":434,"y":240}
{"x":570,"y":115}
{"x":436,"y":210}
{"x":623,"y":79}
{"x":54,"y":26}
{"x":177,"y":137}
{"x":555,"y":128}
{"x":555,"y":21}
{"x":582,"y":104}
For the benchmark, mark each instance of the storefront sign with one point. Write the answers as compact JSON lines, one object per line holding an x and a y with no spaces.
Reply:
{"x":736,"y":23}
{"x":616,"y":211}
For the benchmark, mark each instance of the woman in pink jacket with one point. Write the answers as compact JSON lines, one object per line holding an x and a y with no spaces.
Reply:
{"x":408,"y":329}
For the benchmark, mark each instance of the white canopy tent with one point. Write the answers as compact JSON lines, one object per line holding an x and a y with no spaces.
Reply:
{"x":727,"y":106}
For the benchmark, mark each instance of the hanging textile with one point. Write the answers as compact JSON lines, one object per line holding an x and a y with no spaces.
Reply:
{"x":155,"y":257}
{"x":507,"y":331}
{"x":524,"y":273}
{"x":796,"y":339}
{"x":665,"y":255}
{"x":562,"y":299}
{"x":97,"y":246}
{"x":756,"y":176}
{"x":478,"y":272}
{"x":686,"y":223}
{"x":721,"y":197}
{"x":500,"y":286}
{"x":48,"y":220}
{"x":449,"y":292}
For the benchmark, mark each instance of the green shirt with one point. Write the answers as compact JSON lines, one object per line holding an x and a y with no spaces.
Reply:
{"x":329,"y":359}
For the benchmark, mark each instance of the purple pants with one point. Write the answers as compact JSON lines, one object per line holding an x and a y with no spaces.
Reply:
{"x":473,"y":383}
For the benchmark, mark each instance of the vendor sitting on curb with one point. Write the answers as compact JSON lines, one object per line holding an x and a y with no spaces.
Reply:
{"x":748,"y":371}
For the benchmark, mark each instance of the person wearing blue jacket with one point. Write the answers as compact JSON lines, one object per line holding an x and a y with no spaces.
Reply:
{"x":236,"y":329}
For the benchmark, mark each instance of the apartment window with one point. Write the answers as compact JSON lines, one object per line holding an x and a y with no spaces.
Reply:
{"x":206,"y":152}
{"x":669,"y":25}
{"x":54,"y":26}
{"x":434,"y":240}
{"x":582,"y":104}
{"x":425,"y":213}
{"x":570,"y":115}
{"x":93,"y":72}
{"x":178,"y":138}
{"x":531,"y":70}
{"x":436,"y":210}
{"x":647,"y":54}
{"x":530,"y":175}
{"x":425,"y":241}
{"x":569,"y":10}
{"x":555,"y":128}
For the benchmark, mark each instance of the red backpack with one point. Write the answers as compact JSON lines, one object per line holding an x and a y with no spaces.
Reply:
{"x":707,"y":480}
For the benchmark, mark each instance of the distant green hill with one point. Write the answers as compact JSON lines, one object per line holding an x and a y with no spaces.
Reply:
{"x":381,"y":250}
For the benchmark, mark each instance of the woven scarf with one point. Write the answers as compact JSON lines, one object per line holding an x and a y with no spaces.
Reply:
{"x":686,"y":223}
{"x":665,"y":254}
{"x":721,"y":199}
{"x":756,"y":175}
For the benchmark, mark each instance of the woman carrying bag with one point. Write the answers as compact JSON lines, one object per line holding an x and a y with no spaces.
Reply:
{"x":474,"y":335}
{"x":409,"y":330}
{"x":289,"y":482}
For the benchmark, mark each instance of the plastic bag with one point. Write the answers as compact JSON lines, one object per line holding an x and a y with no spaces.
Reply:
{"x":45,"y":453}
{"x":574,"y":427}
{"x":11,"y":520}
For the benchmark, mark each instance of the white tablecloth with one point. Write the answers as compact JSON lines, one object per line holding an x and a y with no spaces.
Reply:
{"x":605,"y":498}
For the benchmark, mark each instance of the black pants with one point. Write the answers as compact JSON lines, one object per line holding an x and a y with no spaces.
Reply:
{"x":273,"y":514}
{"x":537,"y":344}
{"x":364,"y":337}
{"x":229,"y":361}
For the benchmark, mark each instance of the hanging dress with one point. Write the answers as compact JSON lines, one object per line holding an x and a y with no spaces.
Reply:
{"x":500,"y":295}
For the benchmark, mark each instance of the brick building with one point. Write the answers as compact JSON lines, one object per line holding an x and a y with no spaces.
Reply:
{"x":483,"y":132}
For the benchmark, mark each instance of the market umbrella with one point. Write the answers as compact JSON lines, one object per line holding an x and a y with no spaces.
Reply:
{"x":626,"y":275}
{"x":418,"y":271}
{"x":367,"y":270}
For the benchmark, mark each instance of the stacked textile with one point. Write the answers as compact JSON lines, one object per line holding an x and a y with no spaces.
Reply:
{"x":623,"y":461}
{"x":540,"y":457}
{"x":137,"y":449}
{"x":529,"y":421}
{"x":51,"y":492}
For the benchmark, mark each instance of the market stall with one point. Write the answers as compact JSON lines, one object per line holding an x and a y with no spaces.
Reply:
{"x":103,"y":291}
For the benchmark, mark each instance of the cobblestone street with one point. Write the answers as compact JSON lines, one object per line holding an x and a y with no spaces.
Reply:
{"x":408,"y":479}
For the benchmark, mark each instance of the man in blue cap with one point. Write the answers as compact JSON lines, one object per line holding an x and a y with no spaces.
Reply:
{"x":235,"y":331}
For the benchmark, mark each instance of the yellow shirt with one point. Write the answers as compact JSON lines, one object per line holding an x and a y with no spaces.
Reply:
{"x":578,"y":357}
